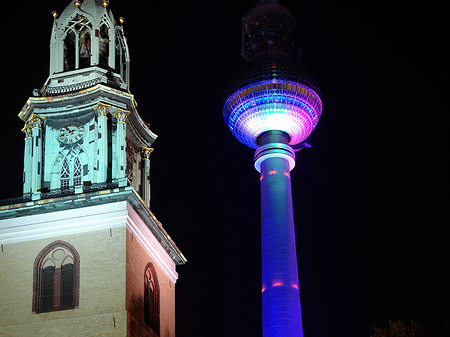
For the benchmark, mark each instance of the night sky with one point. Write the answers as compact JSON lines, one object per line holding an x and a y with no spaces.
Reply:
{"x":370,"y":197}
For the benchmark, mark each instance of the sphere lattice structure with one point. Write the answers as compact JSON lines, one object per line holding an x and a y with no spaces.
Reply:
{"x":273,"y":91}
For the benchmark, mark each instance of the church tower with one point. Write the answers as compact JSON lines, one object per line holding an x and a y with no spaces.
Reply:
{"x":81,"y":252}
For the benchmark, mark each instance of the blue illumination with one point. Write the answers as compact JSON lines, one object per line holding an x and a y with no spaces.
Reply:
{"x":280,"y":286}
{"x":269,"y":105}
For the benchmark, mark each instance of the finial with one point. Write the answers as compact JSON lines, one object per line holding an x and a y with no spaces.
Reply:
{"x":121,"y":20}
{"x":105,"y":3}
{"x":77,"y":3}
{"x":55,"y":14}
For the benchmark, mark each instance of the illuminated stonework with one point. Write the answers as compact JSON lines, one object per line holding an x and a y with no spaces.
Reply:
{"x":84,"y":217}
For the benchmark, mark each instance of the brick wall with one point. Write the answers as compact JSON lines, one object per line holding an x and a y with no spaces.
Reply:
{"x":137,"y":259}
{"x":102,"y":288}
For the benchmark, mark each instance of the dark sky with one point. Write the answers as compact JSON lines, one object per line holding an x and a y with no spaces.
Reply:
{"x":370,"y":197}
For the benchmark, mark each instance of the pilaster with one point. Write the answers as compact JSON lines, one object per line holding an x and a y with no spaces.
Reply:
{"x":145,"y":174}
{"x":121,"y":133}
{"x":27,"y":159}
{"x":36,"y":123}
{"x":102,"y":142}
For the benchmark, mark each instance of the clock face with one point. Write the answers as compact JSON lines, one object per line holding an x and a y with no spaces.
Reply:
{"x":71,"y":132}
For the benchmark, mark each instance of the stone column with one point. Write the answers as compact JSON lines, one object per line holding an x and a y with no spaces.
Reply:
{"x":36,"y":123}
{"x":121,"y":145}
{"x":27,"y":160}
{"x":102,"y":141}
{"x":145,"y":174}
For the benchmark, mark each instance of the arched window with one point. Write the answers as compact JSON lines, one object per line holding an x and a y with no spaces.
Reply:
{"x":121,"y":62}
{"x":151,"y":298}
{"x":69,"y":51}
{"x":85,"y":48}
{"x":104,"y":45}
{"x":56,"y":278}
{"x":70,"y":171}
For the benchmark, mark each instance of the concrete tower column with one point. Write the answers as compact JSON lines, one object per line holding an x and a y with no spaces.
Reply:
{"x":36,"y":153}
{"x":274,"y":159}
{"x":102,"y":142}
{"x":27,"y":160}
{"x":145,"y":174}
{"x":121,"y":145}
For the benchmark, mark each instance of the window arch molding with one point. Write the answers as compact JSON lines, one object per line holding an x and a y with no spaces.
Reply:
{"x":151,"y":297}
{"x":62,"y":276}
{"x":74,"y":43}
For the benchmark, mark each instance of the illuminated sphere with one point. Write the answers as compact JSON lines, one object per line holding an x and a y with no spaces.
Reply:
{"x":272,"y":94}
{"x":273,"y":91}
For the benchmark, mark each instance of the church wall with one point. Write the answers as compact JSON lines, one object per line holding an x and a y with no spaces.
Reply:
{"x":137,"y":260}
{"x":73,"y":260}
{"x":101,"y":289}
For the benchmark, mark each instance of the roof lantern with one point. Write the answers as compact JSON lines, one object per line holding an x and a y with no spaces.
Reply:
{"x":87,"y":46}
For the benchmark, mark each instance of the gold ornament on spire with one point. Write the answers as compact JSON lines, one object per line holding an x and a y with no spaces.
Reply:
{"x":55,"y":14}
{"x":105,"y":3}
{"x":77,"y":3}
{"x":121,"y":20}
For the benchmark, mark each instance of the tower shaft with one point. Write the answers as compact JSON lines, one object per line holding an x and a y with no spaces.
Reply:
{"x":280,"y":286}
{"x":272,"y":105}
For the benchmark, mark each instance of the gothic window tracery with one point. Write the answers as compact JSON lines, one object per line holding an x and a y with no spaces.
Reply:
{"x":71,"y":170}
{"x":77,"y":43}
{"x":77,"y":172}
{"x":65,"y":175}
{"x":56,"y":278}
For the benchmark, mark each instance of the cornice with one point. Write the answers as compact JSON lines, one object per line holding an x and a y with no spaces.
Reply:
{"x":87,"y":99}
{"x":14,"y":229}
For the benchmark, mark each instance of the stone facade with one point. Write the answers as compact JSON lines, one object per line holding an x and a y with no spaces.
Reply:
{"x":137,"y":259}
{"x":114,"y":245}
{"x":81,"y":252}
{"x":101,"y":293}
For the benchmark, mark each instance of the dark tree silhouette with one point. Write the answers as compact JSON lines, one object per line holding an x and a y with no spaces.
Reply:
{"x":400,"y":329}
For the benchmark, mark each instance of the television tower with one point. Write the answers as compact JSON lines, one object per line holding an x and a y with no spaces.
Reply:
{"x":273,"y":105}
